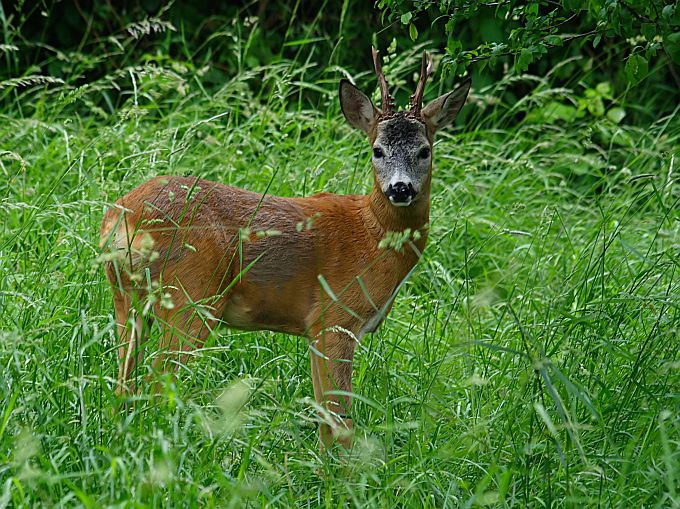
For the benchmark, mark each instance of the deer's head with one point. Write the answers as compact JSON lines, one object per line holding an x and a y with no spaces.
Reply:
{"x":401,"y":140}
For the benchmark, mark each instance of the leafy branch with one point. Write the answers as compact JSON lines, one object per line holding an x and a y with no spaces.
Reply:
{"x":533,"y":27}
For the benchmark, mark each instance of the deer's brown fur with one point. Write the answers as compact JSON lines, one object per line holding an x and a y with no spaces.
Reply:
{"x":191,"y":254}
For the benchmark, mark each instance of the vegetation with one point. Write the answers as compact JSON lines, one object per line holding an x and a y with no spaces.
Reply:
{"x":529,"y":30}
{"x":531,"y":361}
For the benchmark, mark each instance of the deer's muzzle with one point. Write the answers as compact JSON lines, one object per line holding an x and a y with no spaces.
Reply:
{"x":401,"y":194}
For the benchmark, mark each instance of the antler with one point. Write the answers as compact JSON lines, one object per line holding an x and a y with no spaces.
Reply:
{"x":387,"y":99}
{"x":417,"y":97}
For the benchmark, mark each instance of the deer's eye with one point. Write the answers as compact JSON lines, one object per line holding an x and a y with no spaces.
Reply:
{"x":378,"y":153}
{"x":424,"y":153}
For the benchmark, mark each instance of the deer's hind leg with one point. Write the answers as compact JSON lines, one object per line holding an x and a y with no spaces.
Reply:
{"x":133,"y":329}
{"x":185,"y":328}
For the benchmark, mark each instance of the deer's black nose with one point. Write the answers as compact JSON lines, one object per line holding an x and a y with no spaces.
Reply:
{"x":401,"y":192}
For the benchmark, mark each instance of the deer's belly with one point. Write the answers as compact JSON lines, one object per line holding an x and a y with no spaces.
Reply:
{"x":260,"y":308}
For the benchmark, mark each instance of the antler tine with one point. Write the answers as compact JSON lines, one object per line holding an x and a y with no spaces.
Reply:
{"x":417,"y":97}
{"x":387,"y":99}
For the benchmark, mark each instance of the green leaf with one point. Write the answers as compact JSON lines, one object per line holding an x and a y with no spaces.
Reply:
{"x":413,"y":32}
{"x":604,"y":89}
{"x":671,"y":44}
{"x":595,"y":105}
{"x":553,"y":40}
{"x":406,"y":18}
{"x":450,"y":25}
{"x":652,"y":48}
{"x":452,"y":68}
{"x":616,"y":114}
{"x":454,"y":47}
{"x":523,"y":60}
{"x":667,"y":12}
{"x":637,"y":68}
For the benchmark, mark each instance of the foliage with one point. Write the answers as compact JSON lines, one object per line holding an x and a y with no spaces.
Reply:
{"x":644,"y":32}
{"x":530,"y":361}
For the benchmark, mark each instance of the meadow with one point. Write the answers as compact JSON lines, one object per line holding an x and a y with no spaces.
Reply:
{"x":531,"y":360}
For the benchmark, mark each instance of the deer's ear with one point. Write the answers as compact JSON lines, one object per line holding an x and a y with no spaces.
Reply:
{"x":444,"y":109}
{"x":357,"y":108}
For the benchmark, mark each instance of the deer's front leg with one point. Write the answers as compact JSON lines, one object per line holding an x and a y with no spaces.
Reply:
{"x":332,"y":353}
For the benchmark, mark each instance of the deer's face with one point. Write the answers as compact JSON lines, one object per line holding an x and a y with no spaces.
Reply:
{"x":402,"y":158}
{"x":401,"y":141}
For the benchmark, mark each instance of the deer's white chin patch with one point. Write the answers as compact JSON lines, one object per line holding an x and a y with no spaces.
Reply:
{"x":401,"y":203}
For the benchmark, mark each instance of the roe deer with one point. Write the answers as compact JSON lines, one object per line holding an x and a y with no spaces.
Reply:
{"x":195,"y":253}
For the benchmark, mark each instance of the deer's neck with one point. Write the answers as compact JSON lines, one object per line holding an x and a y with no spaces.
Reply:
{"x":381,"y":216}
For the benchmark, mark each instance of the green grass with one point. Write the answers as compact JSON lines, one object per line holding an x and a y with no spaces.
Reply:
{"x":531,"y":361}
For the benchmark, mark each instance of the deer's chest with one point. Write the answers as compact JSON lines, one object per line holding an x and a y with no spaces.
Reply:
{"x":376,"y":318}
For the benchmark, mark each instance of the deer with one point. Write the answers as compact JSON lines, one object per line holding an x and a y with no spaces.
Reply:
{"x":191,"y":254}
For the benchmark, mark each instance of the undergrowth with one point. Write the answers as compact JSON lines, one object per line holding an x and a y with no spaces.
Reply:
{"x":531,"y":361}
